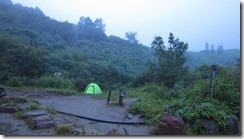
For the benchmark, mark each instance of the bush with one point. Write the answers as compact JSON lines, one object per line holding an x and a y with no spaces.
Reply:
{"x":55,"y":82}
{"x":17,"y":81}
{"x":159,"y":91}
{"x":176,"y":90}
{"x":195,"y":103}
{"x":152,"y":102}
{"x":151,"y":108}
{"x":63,"y":130}
{"x":47,"y":81}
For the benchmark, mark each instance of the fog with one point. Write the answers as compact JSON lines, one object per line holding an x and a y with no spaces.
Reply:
{"x":193,"y":21}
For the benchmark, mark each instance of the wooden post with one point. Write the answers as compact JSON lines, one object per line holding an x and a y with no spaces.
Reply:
{"x":121,"y":101}
{"x":212,"y":81}
{"x":121,"y":96}
{"x":108,"y":96}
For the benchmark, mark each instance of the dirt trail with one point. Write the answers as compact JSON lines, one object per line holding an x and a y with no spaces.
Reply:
{"x":86,"y":106}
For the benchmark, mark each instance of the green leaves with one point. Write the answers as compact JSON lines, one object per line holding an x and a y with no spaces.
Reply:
{"x":170,"y":66}
{"x":88,"y":30}
{"x":18,"y":59}
{"x":131,"y":37}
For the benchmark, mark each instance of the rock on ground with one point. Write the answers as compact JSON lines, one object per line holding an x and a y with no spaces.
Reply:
{"x":170,"y":125}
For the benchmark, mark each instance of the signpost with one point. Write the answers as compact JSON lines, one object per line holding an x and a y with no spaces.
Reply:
{"x":122,"y":94}
{"x":212,"y":81}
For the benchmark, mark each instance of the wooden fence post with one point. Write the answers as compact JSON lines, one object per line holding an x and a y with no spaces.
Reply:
{"x":108,"y":96}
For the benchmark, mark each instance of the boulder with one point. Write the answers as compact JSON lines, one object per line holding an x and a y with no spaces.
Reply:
{"x":232,"y":127}
{"x":24,"y":106}
{"x":2,"y":92}
{"x":34,"y":113}
{"x":170,"y":125}
{"x":130,"y":116}
{"x":43,"y":121}
{"x":2,"y":95}
{"x":16,"y":100}
{"x":210,"y":127}
{"x":11,"y":100}
{"x":11,"y":108}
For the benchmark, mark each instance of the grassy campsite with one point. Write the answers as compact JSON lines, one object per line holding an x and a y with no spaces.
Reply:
{"x":57,"y":64}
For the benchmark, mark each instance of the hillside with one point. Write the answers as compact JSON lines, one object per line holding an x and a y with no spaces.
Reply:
{"x":82,"y":52}
{"x":34,"y":45}
{"x":225,"y":58}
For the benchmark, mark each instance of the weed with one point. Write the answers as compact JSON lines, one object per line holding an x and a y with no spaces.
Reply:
{"x":34,"y":105}
{"x":51,"y":110}
{"x":63,"y":130}
{"x":19,"y":114}
{"x":31,"y":123}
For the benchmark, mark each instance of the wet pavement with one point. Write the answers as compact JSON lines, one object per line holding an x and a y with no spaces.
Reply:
{"x":86,"y":106}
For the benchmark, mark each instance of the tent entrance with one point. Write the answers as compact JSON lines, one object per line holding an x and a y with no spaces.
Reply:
{"x":93,"y":88}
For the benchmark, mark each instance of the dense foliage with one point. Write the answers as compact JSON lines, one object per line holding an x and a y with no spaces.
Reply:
{"x":193,"y":102}
{"x":169,"y":87}
{"x":34,"y":45}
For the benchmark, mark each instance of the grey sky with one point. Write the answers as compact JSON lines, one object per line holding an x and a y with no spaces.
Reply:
{"x":193,"y":21}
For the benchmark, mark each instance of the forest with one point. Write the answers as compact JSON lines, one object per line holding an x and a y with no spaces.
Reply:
{"x":40,"y":52}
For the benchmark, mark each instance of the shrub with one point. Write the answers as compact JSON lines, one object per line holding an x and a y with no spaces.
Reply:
{"x":195,"y":103}
{"x":148,"y":107}
{"x":34,"y":105}
{"x":55,"y":82}
{"x":16,"y":81}
{"x":175,"y":91}
{"x":159,"y":91}
{"x":152,"y":102}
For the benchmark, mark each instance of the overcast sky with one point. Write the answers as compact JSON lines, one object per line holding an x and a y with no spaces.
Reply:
{"x":193,"y":21}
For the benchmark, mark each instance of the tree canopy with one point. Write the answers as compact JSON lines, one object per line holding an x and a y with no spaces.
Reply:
{"x":131,"y":37}
{"x":171,"y":59}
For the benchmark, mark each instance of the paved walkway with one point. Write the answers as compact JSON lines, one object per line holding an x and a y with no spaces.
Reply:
{"x":88,"y":107}
{"x":98,"y":109}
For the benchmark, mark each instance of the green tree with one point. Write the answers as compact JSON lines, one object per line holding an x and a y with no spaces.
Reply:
{"x":17,"y":59}
{"x":206,"y":47}
{"x":131,"y":37}
{"x":159,"y":47}
{"x":89,"y":30}
{"x":170,"y":60}
{"x":212,"y":49}
{"x":220,"y":49}
{"x":99,"y":24}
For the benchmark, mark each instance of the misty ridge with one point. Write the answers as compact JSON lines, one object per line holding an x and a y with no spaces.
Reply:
{"x":31,"y":27}
{"x":88,"y":42}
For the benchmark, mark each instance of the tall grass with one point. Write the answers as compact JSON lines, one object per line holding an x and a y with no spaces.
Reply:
{"x":55,"y":82}
{"x":47,"y":81}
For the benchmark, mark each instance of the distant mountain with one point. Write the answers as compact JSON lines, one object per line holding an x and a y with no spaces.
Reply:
{"x":224,"y":58}
{"x":6,"y":2}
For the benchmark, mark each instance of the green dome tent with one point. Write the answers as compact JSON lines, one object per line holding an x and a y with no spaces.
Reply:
{"x":93,"y":88}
